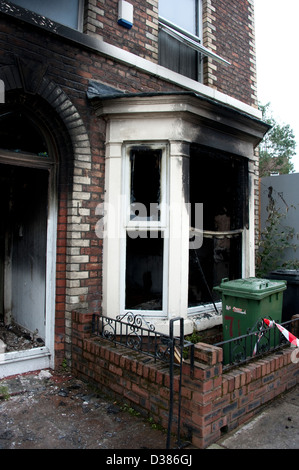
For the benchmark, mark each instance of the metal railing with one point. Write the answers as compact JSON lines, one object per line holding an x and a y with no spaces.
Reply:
{"x":134,"y":332}
{"x":256,"y":343}
{"x":188,"y":39}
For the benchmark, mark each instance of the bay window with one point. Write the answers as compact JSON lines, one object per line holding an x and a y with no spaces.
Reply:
{"x":160,"y":164}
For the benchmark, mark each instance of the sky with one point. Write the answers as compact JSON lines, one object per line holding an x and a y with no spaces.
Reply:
{"x":277,"y":41}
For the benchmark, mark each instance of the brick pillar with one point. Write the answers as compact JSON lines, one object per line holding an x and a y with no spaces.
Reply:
{"x":81,"y":329}
{"x":199,"y":392}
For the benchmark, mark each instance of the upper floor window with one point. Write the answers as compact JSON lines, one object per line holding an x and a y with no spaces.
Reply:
{"x":180,"y":21}
{"x":183,"y":14}
{"x":66,"y":12}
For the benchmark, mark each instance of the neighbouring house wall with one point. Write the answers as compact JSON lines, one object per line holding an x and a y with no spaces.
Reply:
{"x":213,"y":402}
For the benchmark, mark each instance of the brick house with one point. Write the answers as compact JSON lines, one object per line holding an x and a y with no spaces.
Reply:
{"x":123,"y":124}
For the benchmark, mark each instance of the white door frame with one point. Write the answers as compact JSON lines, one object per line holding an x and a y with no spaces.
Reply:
{"x":18,"y":362}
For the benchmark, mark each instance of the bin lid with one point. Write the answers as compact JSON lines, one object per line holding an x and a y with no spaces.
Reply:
{"x":287,"y":274}
{"x":251,"y":288}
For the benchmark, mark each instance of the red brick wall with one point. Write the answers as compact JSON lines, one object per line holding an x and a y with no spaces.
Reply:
{"x":212,"y":401}
{"x":234,"y":23}
{"x":228,"y":30}
{"x":69,"y":68}
{"x":60,"y":282}
{"x":141,"y":39}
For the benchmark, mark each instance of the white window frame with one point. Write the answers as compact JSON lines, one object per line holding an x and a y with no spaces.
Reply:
{"x":145,"y":225}
{"x":138,"y":223}
{"x":194,"y":41}
{"x":197,"y":15}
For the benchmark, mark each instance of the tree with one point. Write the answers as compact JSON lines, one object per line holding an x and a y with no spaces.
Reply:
{"x":277,"y":148}
{"x":274,"y":240}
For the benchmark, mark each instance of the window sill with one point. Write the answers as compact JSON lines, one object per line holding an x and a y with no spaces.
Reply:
{"x":207,"y":318}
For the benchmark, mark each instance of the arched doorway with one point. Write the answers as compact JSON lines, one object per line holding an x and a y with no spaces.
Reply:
{"x":27,"y":234}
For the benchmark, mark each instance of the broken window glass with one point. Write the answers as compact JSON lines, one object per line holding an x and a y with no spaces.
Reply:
{"x":220,"y":182}
{"x":218,"y":258}
{"x":19,"y":134}
{"x":145,"y":188}
{"x":144,"y":271}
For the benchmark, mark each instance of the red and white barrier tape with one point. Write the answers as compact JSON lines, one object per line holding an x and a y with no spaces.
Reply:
{"x":289,"y":336}
{"x":260,"y":335}
{"x":271,"y":323}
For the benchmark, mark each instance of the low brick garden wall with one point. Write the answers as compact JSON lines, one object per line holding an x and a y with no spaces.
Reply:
{"x":212,"y":401}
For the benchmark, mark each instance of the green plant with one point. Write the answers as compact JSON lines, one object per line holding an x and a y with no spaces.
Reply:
{"x":277,"y":147}
{"x":64,"y":364}
{"x":130,"y":410}
{"x":273,"y":242}
{"x":4,"y":393}
{"x":155,"y":425}
{"x":195,"y":337}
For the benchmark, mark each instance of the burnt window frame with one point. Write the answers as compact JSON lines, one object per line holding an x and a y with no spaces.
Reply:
{"x":238,"y":226}
{"x":141,"y":223}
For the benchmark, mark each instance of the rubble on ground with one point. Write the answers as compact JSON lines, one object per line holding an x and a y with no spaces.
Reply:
{"x":16,"y":338}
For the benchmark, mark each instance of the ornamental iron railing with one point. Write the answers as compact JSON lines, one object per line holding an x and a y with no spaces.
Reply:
{"x":134,"y":332}
{"x":258,"y":341}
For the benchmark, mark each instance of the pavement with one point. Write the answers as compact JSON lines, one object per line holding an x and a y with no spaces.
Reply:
{"x":275,"y":427}
{"x":53,"y":410}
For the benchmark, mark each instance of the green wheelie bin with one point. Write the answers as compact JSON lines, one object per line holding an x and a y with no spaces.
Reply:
{"x":245,"y":302}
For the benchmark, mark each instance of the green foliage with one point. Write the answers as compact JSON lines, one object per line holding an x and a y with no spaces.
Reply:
{"x":155,"y":425}
{"x":4,"y":393}
{"x":130,"y":410}
{"x":277,"y":148}
{"x":273,"y":241}
{"x":194,"y":338}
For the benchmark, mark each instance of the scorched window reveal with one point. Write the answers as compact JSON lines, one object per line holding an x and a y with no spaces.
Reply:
{"x":220,"y":182}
